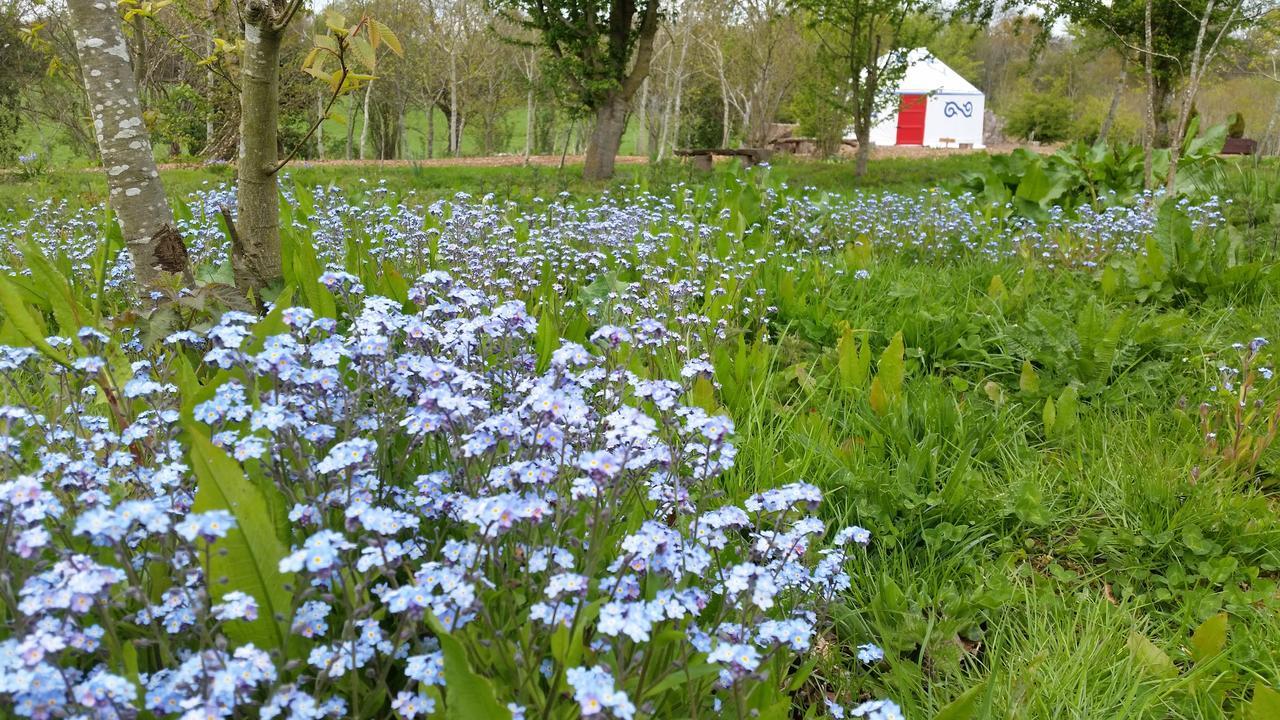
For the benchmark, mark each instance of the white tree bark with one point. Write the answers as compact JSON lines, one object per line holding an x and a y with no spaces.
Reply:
{"x":364,"y":129}
{"x":454,"y":150}
{"x":136,"y":191}
{"x":642,"y":139}
{"x":1149,"y":133}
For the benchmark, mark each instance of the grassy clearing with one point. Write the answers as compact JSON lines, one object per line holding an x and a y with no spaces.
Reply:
{"x":1051,"y":539}
{"x":88,"y":186}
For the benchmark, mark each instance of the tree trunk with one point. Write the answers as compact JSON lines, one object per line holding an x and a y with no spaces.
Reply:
{"x":364,"y":129}
{"x":1149,"y":134}
{"x":642,"y":147}
{"x":1269,"y":137}
{"x":351,"y":127}
{"x":209,"y":79}
{"x":528,"y":124}
{"x":454,"y":134}
{"x":606,"y":136}
{"x":724,"y":121}
{"x":135,"y":189}
{"x":863,"y":132}
{"x":1110,"y":119}
{"x":431,"y":131}
{"x":401,"y":148}
{"x":320,"y":127}
{"x":255,"y":256}
{"x":1160,"y":111}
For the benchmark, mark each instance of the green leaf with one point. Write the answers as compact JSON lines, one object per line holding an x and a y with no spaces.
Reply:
{"x":1067,"y":405}
{"x":385,"y":36}
{"x":467,"y":695}
{"x":891,"y":371}
{"x":28,"y":325}
{"x":676,"y":679}
{"x":879,"y":398}
{"x":548,"y":338}
{"x":853,"y":360}
{"x":1028,"y":381}
{"x":249,"y":556}
{"x":1150,"y":658}
{"x":1050,"y":415}
{"x":1210,"y":638}
{"x":1265,"y":704}
{"x":965,"y":705}
{"x":364,"y":52}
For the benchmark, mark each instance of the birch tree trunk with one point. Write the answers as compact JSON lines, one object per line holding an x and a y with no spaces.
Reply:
{"x":1149,"y":135}
{"x":136,"y":191}
{"x":208,"y":74}
{"x":454,"y":145}
{"x":642,"y":144}
{"x":431,"y":130}
{"x":1110,"y":119}
{"x":364,"y":129}
{"x":320,"y":127}
{"x":255,"y":252}
{"x":1201,"y":58}
{"x":528,"y":125}
{"x":351,"y":128}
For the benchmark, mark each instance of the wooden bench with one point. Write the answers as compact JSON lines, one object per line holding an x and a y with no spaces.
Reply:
{"x":703,"y":158}
{"x":1240,"y":146}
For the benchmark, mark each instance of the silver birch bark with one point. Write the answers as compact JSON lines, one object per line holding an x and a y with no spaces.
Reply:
{"x":135,"y":190}
{"x":364,"y":129}
{"x":1149,"y":134}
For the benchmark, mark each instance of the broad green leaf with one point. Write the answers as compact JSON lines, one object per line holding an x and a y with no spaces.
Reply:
{"x":853,"y":360}
{"x":385,"y":36}
{"x":1210,"y":638}
{"x":996,"y":289}
{"x":1150,"y":658}
{"x":879,"y":398}
{"x":1050,"y":415}
{"x":891,"y":370}
{"x":1067,"y":405}
{"x":468,"y":696}
{"x":28,"y":324}
{"x":1265,"y":704}
{"x":1028,"y":381}
{"x":364,"y":52}
{"x":548,"y":338}
{"x":249,"y":556}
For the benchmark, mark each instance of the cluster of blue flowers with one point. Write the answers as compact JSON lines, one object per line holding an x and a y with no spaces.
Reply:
{"x":430,"y":471}
{"x":505,"y":248}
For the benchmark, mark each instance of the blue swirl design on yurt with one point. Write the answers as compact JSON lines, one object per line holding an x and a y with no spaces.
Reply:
{"x":953,"y":108}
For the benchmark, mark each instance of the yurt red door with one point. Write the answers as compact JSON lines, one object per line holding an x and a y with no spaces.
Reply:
{"x":911,"y":110}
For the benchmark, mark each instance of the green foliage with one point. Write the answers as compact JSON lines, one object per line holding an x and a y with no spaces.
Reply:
{"x":1042,"y":116}
{"x":248,"y":559}
{"x":1029,"y":184}
{"x":819,"y":117}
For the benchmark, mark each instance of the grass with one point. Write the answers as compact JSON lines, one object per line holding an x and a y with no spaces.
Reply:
{"x":81,"y":187}
{"x":1020,"y":568}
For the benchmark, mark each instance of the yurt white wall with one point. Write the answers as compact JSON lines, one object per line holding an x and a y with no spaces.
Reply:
{"x":957,"y":117}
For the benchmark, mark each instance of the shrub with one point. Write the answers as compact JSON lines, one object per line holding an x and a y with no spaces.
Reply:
{"x":1041,"y":116}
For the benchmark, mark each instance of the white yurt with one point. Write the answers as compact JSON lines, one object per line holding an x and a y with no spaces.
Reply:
{"x":935,"y":107}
